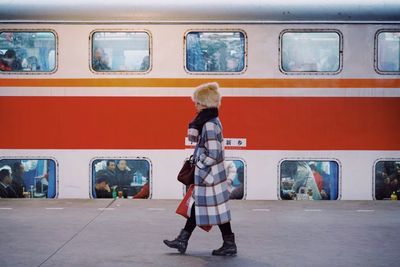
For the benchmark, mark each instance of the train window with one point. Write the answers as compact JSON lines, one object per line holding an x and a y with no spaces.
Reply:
{"x":123,"y":178}
{"x":28,"y":52}
{"x":117,"y":51}
{"x":310,"y":52}
{"x":27,"y":178}
{"x":309,"y":180}
{"x":387,"y":180}
{"x":235,"y":172}
{"x":215,"y":51}
{"x":388,"y":52}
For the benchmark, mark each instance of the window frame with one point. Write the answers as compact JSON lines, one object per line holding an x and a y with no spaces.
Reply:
{"x":245,"y":66}
{"x":120,"y":158}
{"x":56,"y":56}
{"x":311,"y":159}
{"x":280,"y":58}
{"x":118,"y":72}
{"x":376,"y":49}
{"x":374,"y":175}
{"x":56,"y":165}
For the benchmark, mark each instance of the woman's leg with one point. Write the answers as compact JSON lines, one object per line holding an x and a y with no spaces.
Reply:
{"x":229,"y":245}
{"x":191,"y":221}
{"x":225,"y":229}
{"x":181,"y":242}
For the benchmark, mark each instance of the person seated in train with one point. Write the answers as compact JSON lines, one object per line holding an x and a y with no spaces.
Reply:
{"x":18,"y":183}
{"x":102,"y":187}
{"x":123,"y":174}
{"x":322,"y":180}
{"x":6,"y":190}
{"x":305,"y":177}
{"x":302,"y":178}
{"x":33,"y":63}
{"x":9,"y":61}
{"x":109,"y":172}
{"x":100,"y":60}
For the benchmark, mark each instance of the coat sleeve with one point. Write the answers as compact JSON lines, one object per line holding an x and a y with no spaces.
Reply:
{"x":212,"y":144}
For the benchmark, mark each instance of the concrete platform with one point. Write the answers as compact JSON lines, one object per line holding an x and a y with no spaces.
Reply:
{"x":130,"y":233}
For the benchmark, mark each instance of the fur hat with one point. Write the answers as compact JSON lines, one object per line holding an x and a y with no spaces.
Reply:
{"x":207,"y":94}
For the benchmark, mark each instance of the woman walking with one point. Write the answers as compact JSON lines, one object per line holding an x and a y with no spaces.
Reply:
{"x":209,"y":202}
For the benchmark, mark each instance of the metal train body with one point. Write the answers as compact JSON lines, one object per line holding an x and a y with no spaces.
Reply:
{"x":75,"y":115}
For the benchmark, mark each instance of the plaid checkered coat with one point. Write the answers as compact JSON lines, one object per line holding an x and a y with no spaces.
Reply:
{"x":210,"y":195}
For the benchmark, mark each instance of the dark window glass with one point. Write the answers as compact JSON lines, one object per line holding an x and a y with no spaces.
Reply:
{"x":387,"y":178}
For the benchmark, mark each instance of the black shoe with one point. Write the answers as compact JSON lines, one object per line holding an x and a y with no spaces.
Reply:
{"x":181,"y":242}
{"x":228,"y":247}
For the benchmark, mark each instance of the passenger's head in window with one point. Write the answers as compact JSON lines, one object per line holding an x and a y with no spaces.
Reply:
{"x":18,"y":170}
{"x":111,"y":165}
{"x":100,"y":60}
{"x":102,"y":188}
{"x":9,"y":61}
{"x":32,"y":63}
{"x":5,"y":177}
{"x":122,"y":165}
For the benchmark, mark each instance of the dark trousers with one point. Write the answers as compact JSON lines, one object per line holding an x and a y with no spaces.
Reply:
{"x":191,"y":224}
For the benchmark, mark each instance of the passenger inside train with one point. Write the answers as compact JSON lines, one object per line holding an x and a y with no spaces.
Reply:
{"x":120,"y":177}
{"x":31,"y":178}
{"x":309,"y":180}
{"x":387,"y":177}
{"x":27,"y":51}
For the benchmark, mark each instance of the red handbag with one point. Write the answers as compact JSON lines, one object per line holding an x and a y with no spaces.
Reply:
{"x":184,"y":207}
{"x":186,"y":174}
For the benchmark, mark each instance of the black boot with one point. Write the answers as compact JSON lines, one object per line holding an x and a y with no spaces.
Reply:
{"x":228,"y":247}
{"x":180,"y":242}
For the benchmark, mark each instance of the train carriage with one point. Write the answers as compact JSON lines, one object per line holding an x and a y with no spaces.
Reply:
{"x":310,"y":109}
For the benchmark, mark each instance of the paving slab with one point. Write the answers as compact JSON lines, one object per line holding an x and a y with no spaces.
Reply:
{"x":130,"y":232}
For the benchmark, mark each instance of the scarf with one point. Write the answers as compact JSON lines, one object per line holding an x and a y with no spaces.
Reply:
{"x":202,"y":117}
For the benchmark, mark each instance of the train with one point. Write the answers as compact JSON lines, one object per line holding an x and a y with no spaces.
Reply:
{"x":98,"y":95}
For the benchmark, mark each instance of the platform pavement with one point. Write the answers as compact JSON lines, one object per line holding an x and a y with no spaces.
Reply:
{"x":130,"y":233}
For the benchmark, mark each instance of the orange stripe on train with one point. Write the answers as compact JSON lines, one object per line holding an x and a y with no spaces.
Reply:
{"x":268,"y":123}
{"x":183,"y":82}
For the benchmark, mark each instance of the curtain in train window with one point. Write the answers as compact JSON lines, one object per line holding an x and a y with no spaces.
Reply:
{"x":215,"y":51}
{"x":389,"y":51}
{"x":387,"y":180}
{"x":27,"y":178}
{"x":310,"y":52}
{"x":309,"y":180}
{"x":120,"y":52}
{"x":122,"y":178}
{"x":27,"y":51}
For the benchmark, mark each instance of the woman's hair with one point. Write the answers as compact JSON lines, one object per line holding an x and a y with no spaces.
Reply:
{"x":207,"y":94}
